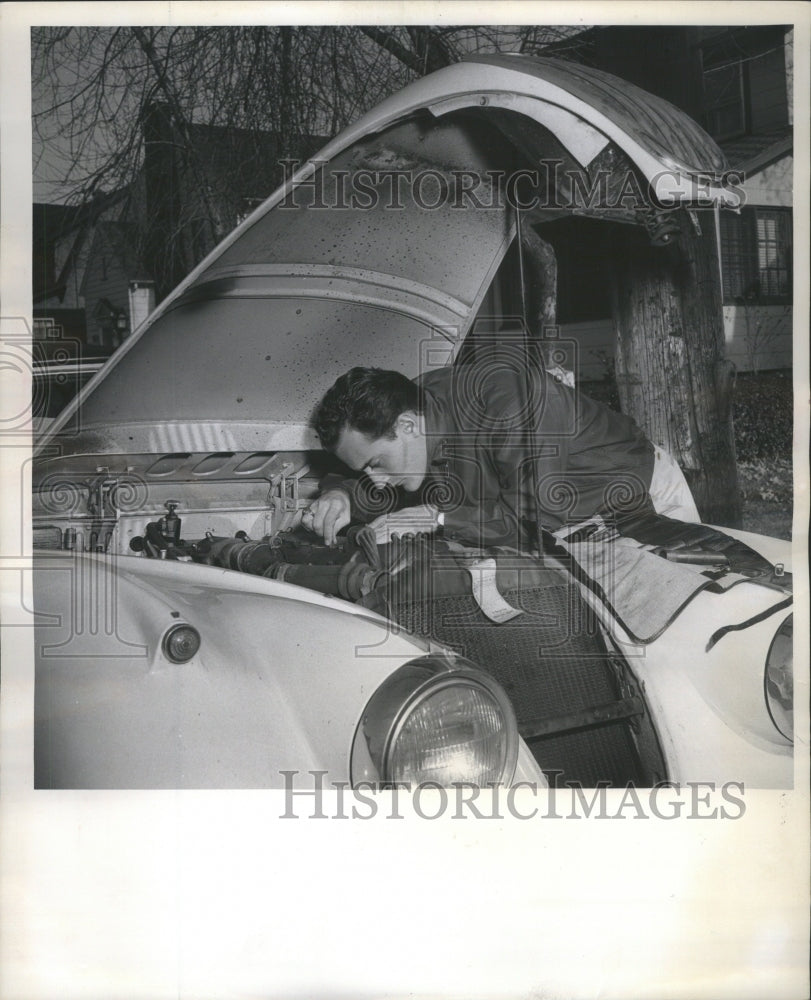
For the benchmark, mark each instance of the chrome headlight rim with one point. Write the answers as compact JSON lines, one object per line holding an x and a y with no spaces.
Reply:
{"x":394,"y":702}
{"x":781,"y":717}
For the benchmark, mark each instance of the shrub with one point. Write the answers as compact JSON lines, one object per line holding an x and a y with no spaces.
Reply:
{"x":763,"y":414}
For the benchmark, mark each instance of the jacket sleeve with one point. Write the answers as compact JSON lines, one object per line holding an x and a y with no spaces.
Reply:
{"x":507,"y":513}
{"x":486,"y":526}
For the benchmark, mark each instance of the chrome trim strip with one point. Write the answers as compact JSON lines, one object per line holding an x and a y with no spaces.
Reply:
{"x":328,"y":281}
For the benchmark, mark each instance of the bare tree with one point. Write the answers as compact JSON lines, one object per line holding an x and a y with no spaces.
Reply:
{"x":101,"y":95}
{"x":92,"y":86}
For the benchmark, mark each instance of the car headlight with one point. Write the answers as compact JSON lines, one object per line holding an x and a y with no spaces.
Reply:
{"x":437,"y":719}
{"x":778,"y":679}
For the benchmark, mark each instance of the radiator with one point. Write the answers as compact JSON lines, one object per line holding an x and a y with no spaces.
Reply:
{"x":578,"y":705}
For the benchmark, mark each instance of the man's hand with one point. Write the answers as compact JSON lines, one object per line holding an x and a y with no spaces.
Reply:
{"x":405,"y":521}
{"x":328,"y":514}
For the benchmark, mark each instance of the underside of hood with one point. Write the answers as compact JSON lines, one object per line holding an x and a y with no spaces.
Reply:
{"x":381,"y":249}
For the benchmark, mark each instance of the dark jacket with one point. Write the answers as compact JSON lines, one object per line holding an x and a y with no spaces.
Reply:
{"x":507,"y":448}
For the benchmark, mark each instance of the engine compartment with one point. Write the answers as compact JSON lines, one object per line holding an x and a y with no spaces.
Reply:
{"x":242,"y":511}
{"x":235,"y":510}
{"x":102,"y":503}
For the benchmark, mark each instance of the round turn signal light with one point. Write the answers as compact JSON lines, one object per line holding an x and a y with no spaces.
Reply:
{"x":181,"y":643}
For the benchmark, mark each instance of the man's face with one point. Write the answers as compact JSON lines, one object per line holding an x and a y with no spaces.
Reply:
{"x":398,"y":461}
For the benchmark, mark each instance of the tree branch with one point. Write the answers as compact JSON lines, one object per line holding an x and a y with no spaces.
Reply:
{"x":180,"y":120}
{"x":387,"y":41}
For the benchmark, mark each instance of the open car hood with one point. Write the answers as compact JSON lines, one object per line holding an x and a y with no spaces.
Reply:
{"x":378,"y":252}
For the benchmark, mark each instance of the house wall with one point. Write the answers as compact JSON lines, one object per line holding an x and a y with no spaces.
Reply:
{"x":73,"y":251}
{"x":767,"y":90}
{"x":670,"y":61}
{"x":760,"y":337}
{"x":80,"y":247}
{"x":757,"y":338}
{"x":771,"y":186}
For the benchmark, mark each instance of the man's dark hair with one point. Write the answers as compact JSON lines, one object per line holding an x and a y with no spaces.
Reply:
{"x":368,"y":399}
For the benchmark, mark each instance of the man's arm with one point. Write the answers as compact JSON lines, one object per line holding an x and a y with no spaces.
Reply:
{"x":507,"y":512}
{"x":345,"y":501}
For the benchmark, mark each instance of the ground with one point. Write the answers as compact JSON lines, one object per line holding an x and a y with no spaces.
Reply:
{"x":766,"y":489}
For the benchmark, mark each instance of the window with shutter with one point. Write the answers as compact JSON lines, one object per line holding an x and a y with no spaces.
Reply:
{"x":724,"y":100}
{"x":756,"y":256}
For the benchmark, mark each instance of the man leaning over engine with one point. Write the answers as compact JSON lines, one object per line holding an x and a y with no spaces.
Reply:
{"x":486,"y":452}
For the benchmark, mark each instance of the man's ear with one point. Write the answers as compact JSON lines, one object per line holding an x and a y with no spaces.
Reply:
{"x":408,"y":422}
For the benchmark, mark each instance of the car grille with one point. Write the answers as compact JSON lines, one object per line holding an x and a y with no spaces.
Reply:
{"x":578,"y":705}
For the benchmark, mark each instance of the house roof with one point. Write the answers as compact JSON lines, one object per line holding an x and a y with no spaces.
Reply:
{"x":52,"y":221}
{"x":243,"y":162}
{"x":56,"y":222}
{"x":752,"y":153}
{"x":49,"y":224}
{"x":116,"y":238}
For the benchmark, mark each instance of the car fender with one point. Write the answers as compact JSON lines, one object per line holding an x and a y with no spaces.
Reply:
{"x":279,"y":683}
{"x":709,"y":704}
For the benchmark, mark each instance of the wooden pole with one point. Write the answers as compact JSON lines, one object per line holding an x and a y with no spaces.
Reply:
{"x":672,"y":375}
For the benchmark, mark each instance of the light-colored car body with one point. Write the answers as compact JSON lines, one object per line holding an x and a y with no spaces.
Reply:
{"x":279,"y":683}
{"x":208,"y":405}
{"x":709,"y":705}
